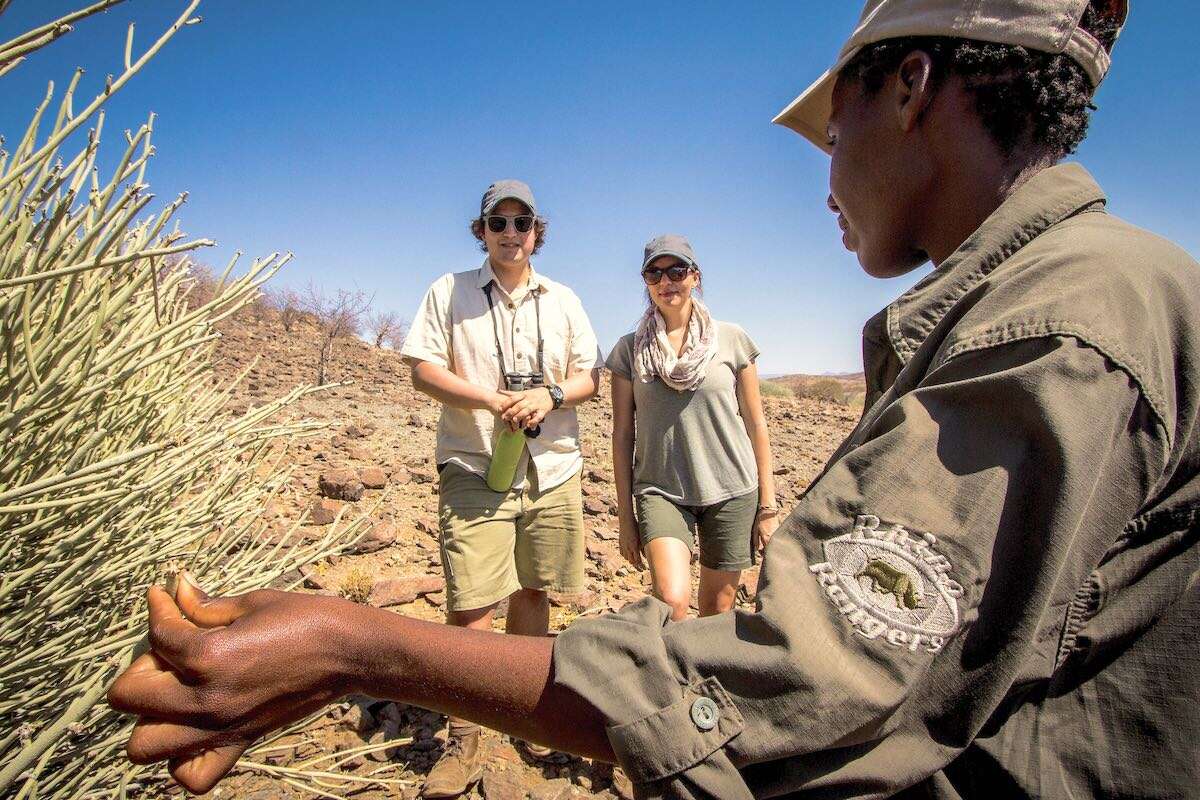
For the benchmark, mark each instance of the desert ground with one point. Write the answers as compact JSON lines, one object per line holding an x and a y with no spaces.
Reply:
{"x":378,"y":449}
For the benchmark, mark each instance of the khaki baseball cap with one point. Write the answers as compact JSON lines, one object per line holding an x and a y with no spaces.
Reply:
{"x":1050,"y":26}
{"x":669,"y":244}
{"x":508,"y":189}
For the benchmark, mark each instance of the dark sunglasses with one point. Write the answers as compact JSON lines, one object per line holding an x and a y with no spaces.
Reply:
{"x":498,"y":223}
{"x":676,"y":273}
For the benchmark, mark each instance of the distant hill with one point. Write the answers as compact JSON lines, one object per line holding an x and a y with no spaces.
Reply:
{"x":847,"y":388}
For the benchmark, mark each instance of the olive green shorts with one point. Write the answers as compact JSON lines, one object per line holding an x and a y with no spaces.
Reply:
{"x":494,"y":544}
{"x":724,"y":528}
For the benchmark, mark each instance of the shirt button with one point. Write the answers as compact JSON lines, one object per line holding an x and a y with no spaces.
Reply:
{"x":705,"y":713}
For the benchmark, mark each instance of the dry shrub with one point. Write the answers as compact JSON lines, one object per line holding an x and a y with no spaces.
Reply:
{"x":120,"y":461}
{"x":773,"y":389}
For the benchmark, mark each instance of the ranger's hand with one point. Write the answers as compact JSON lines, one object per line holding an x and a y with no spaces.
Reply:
{"x":528,"y":408}
{"x":221,"y":672}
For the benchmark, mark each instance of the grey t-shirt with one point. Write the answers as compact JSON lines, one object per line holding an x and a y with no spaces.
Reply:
{"x":692,"y":447}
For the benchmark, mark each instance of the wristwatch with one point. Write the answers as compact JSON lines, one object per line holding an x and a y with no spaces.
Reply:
{"x":556,"y":395}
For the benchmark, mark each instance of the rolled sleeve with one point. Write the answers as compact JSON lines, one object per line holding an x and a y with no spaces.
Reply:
{"x":620,"y":360}
{"x":429,"y":334}
{"x":993,"y":486}
{"x":585,"y":348}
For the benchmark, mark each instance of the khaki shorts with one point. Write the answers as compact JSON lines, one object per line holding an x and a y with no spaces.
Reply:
{"x":494,"y":544}
{"x":725,"y":529}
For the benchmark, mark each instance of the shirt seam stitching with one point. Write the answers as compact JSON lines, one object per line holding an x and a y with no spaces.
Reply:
{"x":1045,"y":329}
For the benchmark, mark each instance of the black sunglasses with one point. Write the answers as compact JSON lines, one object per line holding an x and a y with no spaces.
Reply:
{"x":498,"y":223}
{"x":676,"y":273}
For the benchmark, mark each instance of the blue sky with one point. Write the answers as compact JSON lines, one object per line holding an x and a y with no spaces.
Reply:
{"x":360,"y":135}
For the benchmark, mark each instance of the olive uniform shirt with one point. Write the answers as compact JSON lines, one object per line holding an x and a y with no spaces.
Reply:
{"x":992,"y":589}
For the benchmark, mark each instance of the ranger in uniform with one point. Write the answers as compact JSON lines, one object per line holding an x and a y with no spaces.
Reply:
{"x":992,"y":588}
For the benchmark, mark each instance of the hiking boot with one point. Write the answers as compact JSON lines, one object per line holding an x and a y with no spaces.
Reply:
{"x":457,"y":770}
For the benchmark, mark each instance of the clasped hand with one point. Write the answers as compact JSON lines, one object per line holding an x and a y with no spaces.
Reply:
{"x":222,"y":672}
{"x":524,"y":409}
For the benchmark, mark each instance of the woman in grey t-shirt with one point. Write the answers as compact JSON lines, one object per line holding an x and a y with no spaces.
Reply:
{"x":690,"y":447}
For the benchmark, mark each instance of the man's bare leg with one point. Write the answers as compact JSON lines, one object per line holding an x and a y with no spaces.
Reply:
{"x":528,"y":613}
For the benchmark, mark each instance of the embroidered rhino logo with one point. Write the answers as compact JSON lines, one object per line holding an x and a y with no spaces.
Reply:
{"x":886,"y":579}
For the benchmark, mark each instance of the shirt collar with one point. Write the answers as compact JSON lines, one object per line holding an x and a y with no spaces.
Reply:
{"x":1047,"y":198}
{"x":488,"y":275}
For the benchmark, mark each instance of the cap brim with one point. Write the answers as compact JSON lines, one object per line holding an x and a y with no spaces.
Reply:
{"x":489,"y":208}
{"x":808,"y":114}
{"x":658,"y":253}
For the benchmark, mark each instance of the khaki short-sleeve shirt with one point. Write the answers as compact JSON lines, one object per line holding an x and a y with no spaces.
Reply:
{"x":992,"y":590}
{"x":455,"y":328}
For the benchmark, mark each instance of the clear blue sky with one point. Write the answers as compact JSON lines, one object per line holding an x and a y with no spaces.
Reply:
{"x":360,"y":135}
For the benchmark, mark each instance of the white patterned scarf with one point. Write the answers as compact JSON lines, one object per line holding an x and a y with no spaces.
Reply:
{"x":655,"y":357}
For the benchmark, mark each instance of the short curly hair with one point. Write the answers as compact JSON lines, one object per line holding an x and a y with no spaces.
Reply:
{"x":539,"y":227}
{"x":1025,"y":98}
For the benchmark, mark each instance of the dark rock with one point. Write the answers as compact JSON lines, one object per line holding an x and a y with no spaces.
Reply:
{"x":340,"y":484}
{"x":323,"y":511}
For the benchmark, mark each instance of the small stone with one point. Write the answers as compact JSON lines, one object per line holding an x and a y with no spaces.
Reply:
{"x":373,"y":478}
{"x":400,"y":476}
{"x":315,"y":577}
{"x":340,"y":484}
{"x":606,"y":534}
{"x":576,"y":601}
{"x":416,"y":421}
{"x":501,"y":786}
{"x":323,"y":511}
{"x":380,"y":536}
{"x":595,"y":506}
{"x":398,"y":591}
{"x":358,"y":719}
{"x":360,"y":453}
{"x":556,"y":789}
{"x":354,"y":432}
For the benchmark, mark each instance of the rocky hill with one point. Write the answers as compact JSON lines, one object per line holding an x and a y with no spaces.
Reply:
{"x":380,"y":439}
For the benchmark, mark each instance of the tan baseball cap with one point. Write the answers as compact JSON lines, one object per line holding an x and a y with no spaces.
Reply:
{"x":1050,"y":26}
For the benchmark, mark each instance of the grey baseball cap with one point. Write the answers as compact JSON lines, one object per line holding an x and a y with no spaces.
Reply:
{"x":669,"y":244}
{"x":508,"y":189}
{"x":1050,"y":26}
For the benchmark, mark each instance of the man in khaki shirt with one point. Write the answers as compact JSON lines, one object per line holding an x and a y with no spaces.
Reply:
{"x":993,"y":589}
{"x":502,"y":344}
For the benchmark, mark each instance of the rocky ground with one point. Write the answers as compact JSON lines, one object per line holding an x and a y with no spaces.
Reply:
{"x":380,"y":439}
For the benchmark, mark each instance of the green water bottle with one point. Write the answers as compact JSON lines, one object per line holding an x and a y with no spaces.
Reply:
{"x":505,"y":456}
